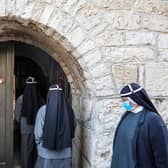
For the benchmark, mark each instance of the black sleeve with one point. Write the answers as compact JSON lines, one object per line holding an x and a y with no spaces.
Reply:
{"x":159,"y":141}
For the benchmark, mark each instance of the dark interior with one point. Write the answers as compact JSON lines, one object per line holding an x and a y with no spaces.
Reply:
{"x":26,"y":65}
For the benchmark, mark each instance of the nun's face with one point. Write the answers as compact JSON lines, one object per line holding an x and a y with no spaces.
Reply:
{"x":128,"y":104}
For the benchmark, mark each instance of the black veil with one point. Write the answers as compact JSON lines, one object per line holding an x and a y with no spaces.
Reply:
{"x":139,"y":95}
{"x":59,"y":125}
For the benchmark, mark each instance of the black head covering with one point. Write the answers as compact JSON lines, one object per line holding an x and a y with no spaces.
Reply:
{"x":59,"y":125}
{"x":32,"y":100}
{"x":139,"y":95}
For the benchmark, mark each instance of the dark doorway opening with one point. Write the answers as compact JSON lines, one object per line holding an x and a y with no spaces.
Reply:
{"x":25,"y":67}
{"x":32,"y":61}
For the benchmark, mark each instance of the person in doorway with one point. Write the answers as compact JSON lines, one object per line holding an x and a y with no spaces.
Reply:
{"x":26,"y":109}
{"x":54,"y":130}
{"x":141,"y":138}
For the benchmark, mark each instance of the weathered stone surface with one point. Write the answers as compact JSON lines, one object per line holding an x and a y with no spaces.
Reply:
{"x":161,"y":104}
{"x":68,"y":6}
{"x":109,"y":112}
{"x":157,"y":78}
{"x":124,"y":74}
{"x":129,"y":54}
{"x":163,"y":41}
{"x":152,"y":23}
{"x":2,"y":8}
{"x":152,"y":7}
{"x":140,"y":38}
{"x":110,"y":38}
{"x":113,"y":4}
{"x":90,"y":59}
{"x":104,"y":85}
{"x":47,"y":13}
{"x":123,"y":20}
{"x":76,"y":36}
{"x":86,"y":46}
{"x":101,"y":70}
{"x":163,"y":54}
{"x":103,"y":150}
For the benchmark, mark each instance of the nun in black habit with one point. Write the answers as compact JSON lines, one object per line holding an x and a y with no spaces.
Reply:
{"x":26,"y":109}
{"x":54,"y":131}
{"x":141,"y":138}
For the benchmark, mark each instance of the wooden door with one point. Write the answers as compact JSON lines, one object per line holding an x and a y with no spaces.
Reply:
{"x":6,"y":104}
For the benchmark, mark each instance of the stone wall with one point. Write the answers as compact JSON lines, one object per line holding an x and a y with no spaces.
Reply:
{"x":109,"y":43}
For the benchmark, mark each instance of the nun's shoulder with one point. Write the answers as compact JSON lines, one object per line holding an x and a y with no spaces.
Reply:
{"x":153,"y":117}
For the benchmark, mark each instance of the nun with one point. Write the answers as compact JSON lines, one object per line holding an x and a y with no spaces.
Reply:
{"x":141,"y":138}
{"x":26,"y":109}
{"x":54,"y":130}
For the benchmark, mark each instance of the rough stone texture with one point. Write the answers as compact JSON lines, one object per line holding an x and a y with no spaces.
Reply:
{"x":124,"y":74}
{"x":113,"y":4}
{"x":140,"y":38}
{"x":155,"y":71}
{"x":163,"y":41}
{"x":151,"y":23}
{"x":161,"y":104}
{"x":123,"y":20}
{"x":152,"y":6}
{"x":110,"y":38}
{"x":101,"y":45}
{"x":128,"y":54}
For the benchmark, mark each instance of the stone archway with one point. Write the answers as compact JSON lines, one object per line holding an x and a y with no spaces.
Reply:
{"x":83,"y":93}
{"x":59,"y":33}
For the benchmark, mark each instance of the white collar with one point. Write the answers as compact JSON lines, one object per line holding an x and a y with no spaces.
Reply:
{"x":138,"y":109}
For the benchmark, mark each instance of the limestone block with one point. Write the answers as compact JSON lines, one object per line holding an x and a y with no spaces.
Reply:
{"x":97,"y":27}
{"x":104,"y":150}
{"x":104,"y":86}
{"x":90,"y":59}
{"x":26,"y":12}
{"x":163,"y":41}
{"x":104,"y":83}
{"x":129,"y":54}
{"x":46,"y":13}
{"x":86,"y":10}
{"x":76,"y":36}
{"x":76,"y":105}
{"x":157,"y":78}
{"x":152,"y":7}
{"x":9,"y":7}
{"x":163,"y":54}
{"x":110,"y":38}
{"x":87,"y":106}
{"x":123,"y":20}
{"x":109,"y":112}
{"x":88,"y":145}
{"x":86,"y":46}
{"x":59,"y":3}
{"x":155,"y":23}
{"x":68,"y":6}
{"x":113,"y":4}
{"x":140,"y":38}
{"x":100,"y":70}
{"x":48,"y":1}
{"x":64,"y":24}
{"x":2,"y":8}
{"x":124,"y":74}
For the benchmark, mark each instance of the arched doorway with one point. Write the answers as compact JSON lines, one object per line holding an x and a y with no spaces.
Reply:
{"x":60,"y":48}
{"x":25,"y":62}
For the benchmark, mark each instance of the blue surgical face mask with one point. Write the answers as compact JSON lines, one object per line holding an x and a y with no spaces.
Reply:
{"x":127,"y":106}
